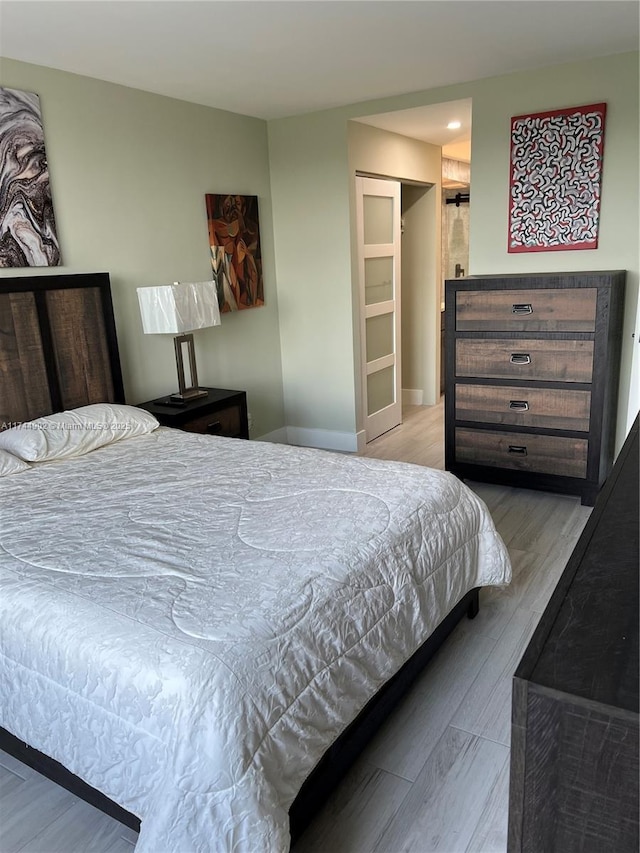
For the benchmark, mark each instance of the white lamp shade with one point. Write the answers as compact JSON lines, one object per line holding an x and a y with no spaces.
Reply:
{"x":179,"y":307}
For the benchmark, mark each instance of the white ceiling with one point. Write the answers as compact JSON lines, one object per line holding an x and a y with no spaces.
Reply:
{"x":275,"y":58}
{"x":428,"y":123}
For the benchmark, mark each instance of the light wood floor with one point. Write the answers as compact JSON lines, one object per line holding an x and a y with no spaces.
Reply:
{"x":436,"y":776}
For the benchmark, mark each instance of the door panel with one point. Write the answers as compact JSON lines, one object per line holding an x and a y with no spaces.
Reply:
{"x":378,"y":223}
{"x":378,"y":279}
{"x":378,"y":215}
{"x":380,"y":390}
{"x":380,"y":336}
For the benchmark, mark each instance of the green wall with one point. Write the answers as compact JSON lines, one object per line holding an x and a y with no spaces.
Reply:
{"x":308,"y":165}
{"x":311,"y":186}
{"x":129,"y":171}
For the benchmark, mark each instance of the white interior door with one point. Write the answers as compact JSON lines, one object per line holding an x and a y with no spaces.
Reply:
{"x":378,"y":224}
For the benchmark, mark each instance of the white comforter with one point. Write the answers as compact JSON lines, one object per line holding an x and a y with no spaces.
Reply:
{"x":189,"y":622}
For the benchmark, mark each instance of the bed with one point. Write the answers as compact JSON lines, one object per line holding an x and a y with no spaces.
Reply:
{"x":203,"y":631}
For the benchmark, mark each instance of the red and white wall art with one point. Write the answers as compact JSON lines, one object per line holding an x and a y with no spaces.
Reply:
{"x":556,"y":172}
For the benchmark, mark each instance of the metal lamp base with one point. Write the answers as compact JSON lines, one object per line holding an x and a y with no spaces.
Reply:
{"x":188,"y":395}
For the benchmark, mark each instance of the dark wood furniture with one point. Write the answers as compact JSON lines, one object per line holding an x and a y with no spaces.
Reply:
{"x":574,"y":740}
{"x":221,"y":412}
{"x":58,"y":345}
{"x":532,"y":367}
{"x":443,"y":360}
{"x":79,"y":350}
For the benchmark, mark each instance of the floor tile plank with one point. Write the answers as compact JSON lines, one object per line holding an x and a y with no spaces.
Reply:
{"x":449,"y":797}
{"x":406,"y":740}
{"x":486,"y":707}
{"x":73,"y":828}
{"x":28,"y":809}
{"x":357,"y":814}
{"x":490,"y":835}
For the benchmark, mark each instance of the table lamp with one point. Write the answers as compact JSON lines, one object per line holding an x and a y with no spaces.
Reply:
{"x":179,"y":309}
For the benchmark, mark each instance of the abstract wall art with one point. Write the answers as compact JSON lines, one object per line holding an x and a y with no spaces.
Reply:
{"x":556,"y":171}
{"x":236,"y":260}
{"x":28,"y":236}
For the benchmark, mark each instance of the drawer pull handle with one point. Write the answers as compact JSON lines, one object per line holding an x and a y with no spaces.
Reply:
{"x":520,"y":358}
{"x":519,"y":405}
{"x":522,"y":308}
{"x":214,"y":427}
{"x":518,"y":449}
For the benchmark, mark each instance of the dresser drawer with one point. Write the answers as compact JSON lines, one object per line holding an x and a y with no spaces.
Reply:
{"x":540,"y":310}
{"x":523,"y":452}
{"x":522,"y":406}
{"x":223,"y":422}
{"x":562,"y":361}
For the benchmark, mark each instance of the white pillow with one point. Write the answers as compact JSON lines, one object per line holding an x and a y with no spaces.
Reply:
{"x":10,"y":464}
{"x":76,"y":431}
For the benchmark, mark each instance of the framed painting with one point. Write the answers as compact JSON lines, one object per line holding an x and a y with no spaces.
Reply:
{"x":28,"y":235}
{"x":555,"y":177}
{"x":236,"y":260}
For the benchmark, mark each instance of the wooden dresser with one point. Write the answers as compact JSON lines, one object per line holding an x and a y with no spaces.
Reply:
{"x":532,"y":370}
{"x":574,"y":736}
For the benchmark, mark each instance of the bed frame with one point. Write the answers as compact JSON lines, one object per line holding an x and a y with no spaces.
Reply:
{"x":58,"y":345}
{"x":59,"y":350}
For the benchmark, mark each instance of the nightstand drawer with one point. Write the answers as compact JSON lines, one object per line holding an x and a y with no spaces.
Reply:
{"x":539,"y":310}
{"x":550,"y":360}
{"x":523,"y":452}
{"x":553,"y":408}
{"x":219,"y":412}
{"x":223,"y":422}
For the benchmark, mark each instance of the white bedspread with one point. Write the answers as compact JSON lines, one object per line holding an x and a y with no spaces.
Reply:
{"x":189,"y":622}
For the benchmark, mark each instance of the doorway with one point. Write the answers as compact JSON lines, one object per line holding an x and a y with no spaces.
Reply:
{"x":409,"y":145}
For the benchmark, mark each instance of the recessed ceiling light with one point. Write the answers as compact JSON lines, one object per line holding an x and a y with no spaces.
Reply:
{"x":453,"y":125}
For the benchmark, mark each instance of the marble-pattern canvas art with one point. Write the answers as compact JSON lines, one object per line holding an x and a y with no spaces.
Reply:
{"x":556,"y":172}
{"x":28,"y":235}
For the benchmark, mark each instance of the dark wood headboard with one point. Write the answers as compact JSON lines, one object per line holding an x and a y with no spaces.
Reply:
{"x":58,"y":345}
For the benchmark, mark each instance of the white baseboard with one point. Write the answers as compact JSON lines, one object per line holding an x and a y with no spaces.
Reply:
{"x":278,"y":436}
{"x":327,"y":439}
{"x":412,"y":396}
{"x":324,"y":439}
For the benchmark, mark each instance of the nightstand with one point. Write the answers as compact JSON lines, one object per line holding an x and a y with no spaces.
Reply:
{"x":221,"y":412}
